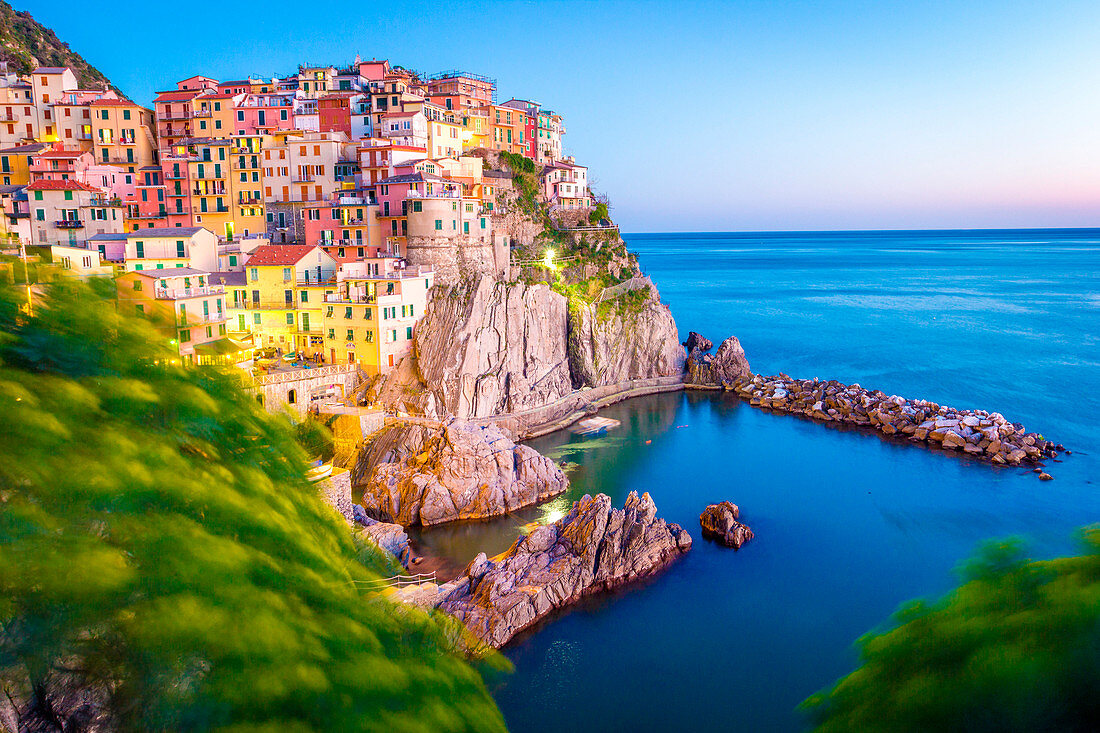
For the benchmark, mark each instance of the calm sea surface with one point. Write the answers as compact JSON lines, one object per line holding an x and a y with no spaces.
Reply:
{"x":848,"y":524}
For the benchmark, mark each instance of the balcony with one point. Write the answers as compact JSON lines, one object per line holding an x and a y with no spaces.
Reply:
{"x":198,"y":319}
{"x":331,"y":280}
{"x":337,"y":299}
{"x":212,"y":191}
{"x":201,"y":113}
{"x":181,"y":293}
{"x":69,"y":224}
{"x":249,"y":200}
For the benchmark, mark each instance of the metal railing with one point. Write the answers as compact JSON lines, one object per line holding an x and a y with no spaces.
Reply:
{"x":396,"y":581}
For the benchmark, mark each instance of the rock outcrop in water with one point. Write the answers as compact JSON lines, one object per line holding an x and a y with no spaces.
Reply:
{"x":978,"y":433}
{"x":462,"y":471}
{"x":593,"y":547}
{"x":721,"y":521}
{"x":720,"y":370}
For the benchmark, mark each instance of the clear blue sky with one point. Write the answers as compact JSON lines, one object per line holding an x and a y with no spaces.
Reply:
{"x":711,"y":116}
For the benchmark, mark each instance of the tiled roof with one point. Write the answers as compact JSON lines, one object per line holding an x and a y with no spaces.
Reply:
{"x":415,"y":178}
{"x":62,"y":186}
{"x":50,"y":70}
{"x":177,"y":96}
{"x":62,"y":153}
{"x":279,"y":254}
{"x":113,"y":103}
{"x":108,"y":237}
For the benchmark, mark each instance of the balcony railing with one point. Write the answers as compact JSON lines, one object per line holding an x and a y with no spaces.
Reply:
{"x":69,"y":224}
{"x":197,"y":319}
{"x":180,"y":293}
{"x":331,"y":280}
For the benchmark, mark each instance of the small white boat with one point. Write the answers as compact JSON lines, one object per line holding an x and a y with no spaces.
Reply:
{"x":595,"y":425}
{"x":319,"y":472}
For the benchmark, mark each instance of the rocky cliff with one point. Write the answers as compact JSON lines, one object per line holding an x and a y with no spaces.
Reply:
{"x":462,"y":471}
{"x":632,"y":336}
{"x":491,"y":347}
{"x":592,"y":548}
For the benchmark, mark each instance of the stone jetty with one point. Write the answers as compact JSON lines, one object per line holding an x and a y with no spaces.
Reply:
{"x":985,"y":435}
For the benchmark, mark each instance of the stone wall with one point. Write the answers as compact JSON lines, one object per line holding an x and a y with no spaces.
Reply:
{"x":295,"y":230}
{"x":278,"y":389}
{"x":453,"y":257}
{"x":336,"y":492}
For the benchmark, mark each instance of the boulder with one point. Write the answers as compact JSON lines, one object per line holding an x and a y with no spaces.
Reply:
{"x":594,"y":547}
{"x":462,"y":471}
{"x":720,"y":521}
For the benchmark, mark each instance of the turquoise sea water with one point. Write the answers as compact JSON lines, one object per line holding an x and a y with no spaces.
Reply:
{"x":848,"y":524}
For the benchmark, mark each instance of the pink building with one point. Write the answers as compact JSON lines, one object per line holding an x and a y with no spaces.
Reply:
{"x":60,"y":164}
{"x":261,"y":114}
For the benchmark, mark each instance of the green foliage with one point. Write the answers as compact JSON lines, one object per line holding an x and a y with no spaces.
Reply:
{"x":24,"y":41}
{"x":1016,"y":647}
{"x":315,"y":438}
{"x":157,"y":532}
{"x":598,"y":213}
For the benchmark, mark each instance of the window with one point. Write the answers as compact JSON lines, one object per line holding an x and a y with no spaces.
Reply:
{"x":40,"y":214}
{"x":209,"y":331}
{"x":290,"y":319}
{"x":185,"y":335}
{"x":351,"y":335}
{"x":305,"y":296}
{"x":37,"y":195}
{"x":256,"y":318}
{"x":68,"y":195}
{"x":347,"y":312}
{"x":253,"y":274}
{"x":137,"y":285}
{"x":180,"y":248}
{"x":332,"y":334}
{"x":418,"y":206}
{"x":232,"y":260}
{"x":286,"y":274}
{"x":291,"y":397}
{"x":438,"y":225}
{"x":370,"y":337}
{"x":140,"y":248}
{"x":139,"y":308}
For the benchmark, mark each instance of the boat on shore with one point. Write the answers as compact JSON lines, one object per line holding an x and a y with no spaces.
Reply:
{"x":591,"y":426}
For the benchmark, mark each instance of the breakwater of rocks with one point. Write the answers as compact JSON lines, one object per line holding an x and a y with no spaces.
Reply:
{"x":985,"y":435}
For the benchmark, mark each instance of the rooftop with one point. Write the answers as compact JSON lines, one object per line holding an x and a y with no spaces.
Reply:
{"x":279,"y":254}
{"x":166,"y":272}
{"x":166,"y":232}
{"x":62,"y":186}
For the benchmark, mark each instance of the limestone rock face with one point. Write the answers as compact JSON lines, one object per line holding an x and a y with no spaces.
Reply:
{"x":720,"y":521}
{"x":462,"y":471}
{"x":612,"y":342}
{"x":492,"y":347}
{"x":727,"y":365}
{"x":592,"y":548}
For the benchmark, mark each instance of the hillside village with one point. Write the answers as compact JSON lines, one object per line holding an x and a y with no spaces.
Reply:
{"x":289,"y":223}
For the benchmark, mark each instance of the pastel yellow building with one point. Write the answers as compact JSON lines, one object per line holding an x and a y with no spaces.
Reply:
{"x":282,"y":294}
{"x":122,"y":134}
